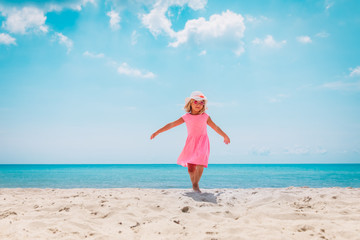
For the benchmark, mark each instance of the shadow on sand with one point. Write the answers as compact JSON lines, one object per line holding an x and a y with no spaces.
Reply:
{"x":202,"y":197}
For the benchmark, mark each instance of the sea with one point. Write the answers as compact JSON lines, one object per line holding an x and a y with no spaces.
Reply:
{"x":162,"y":176}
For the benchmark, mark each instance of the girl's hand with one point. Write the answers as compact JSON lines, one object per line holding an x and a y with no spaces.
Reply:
{"x":154,"y":135}
{"x":226,"y":140}
{"x":167,"y":127}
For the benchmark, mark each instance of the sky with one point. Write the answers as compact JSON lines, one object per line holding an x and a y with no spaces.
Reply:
{"x":88,"y":81}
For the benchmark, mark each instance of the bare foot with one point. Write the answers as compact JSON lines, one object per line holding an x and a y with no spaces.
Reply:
{"x":196,"y":188}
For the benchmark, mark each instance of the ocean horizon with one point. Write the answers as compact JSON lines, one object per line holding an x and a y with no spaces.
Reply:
{"x":161,"y":176}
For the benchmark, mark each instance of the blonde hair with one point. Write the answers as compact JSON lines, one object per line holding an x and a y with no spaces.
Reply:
{"x":188,"y":109}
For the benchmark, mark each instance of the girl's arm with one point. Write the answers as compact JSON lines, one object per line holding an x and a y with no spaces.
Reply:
{"x":218,"y":130}
{"x":167,"y":127}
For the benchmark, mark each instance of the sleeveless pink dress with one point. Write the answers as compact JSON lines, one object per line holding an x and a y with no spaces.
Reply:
{"x":197,"y":146}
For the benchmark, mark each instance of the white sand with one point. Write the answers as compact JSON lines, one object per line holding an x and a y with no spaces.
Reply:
{"x":286,"y":213}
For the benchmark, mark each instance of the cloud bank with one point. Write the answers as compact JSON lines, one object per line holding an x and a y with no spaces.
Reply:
{"x":25,"y":20}
{"x":228,"y":24}
{"x":225,"y":26}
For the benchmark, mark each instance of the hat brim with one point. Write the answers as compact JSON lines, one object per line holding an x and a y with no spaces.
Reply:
{"x":195,"y":98}
{"x":187,"y":100}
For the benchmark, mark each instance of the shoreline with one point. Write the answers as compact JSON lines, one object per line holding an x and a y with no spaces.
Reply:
{"x":146,"y":213}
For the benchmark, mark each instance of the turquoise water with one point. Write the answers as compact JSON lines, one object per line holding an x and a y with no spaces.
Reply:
{"x":174,"y":176}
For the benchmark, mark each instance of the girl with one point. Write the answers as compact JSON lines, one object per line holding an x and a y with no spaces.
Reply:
{"x":195,"y":154}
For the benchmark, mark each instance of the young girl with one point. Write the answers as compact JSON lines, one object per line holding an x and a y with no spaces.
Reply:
{"x":195,"y":154}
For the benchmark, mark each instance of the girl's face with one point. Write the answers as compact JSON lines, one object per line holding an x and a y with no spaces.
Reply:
{"x":197,"y":106}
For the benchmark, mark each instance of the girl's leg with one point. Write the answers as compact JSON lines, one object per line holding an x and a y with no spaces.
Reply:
{"x":198,"y":173}
{"x":192,"y":173}
{"x":195,"y":172}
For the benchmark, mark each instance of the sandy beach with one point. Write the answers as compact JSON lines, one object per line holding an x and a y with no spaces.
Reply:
{"x":264,"y":213}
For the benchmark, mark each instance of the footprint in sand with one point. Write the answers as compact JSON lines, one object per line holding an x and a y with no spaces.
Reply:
{"x":164,"y":192}
{"x":344,"y":212}
{"x":66,"y":209}
{"x":106,"y":215}
{"x":53,"y":230}
{"x":305,"y":228}
{"x":6,"y":214}
{"x":135,"y":227}
{"x":157,"y":208}
{"x":230,"y":204}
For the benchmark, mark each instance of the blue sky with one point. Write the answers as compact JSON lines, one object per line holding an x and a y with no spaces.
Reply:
{"x":88,"y":81}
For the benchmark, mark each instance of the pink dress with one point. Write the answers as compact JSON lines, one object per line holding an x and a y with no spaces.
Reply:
{"x":197,"y":146}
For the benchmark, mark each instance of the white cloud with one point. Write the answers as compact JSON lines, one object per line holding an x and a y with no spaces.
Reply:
{"x":301,"y":150}
{"x":31,"y":18}
{"x":7,"y":39}
{"x":262,"y":151}
{"x":240,"y":50}
{"x":228,"y":24}
{"x":278,"y":98}
{"x":269,"y":41}
{"x":298,"y":150}
{"x":322,"y":34}
{"x":76,"y":5}
{"x":202,"y":53}
{"x":255,"y":20}
{"x":24,"y":20}
{"x":134,"y":37}
{"x":125,"y":69}
{"x":304,"y":39}
{"x":349,"y":84}
{"x":340,"y":85}
{"x":355,"y":72}
{"x":84,"y":2}
{"x":114,"y":20}
{"x":328,"y":4}
{"x":64,"y":40}
{"x":194,"y":4}
{"x":93,"y":55}
{"x":157,"y":22}
{"x":320,"y":150}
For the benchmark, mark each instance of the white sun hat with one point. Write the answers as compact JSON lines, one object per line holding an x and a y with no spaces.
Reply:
{"x":198,"y":96}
